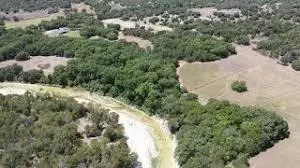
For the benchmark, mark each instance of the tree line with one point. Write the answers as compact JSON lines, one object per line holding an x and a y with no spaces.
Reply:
{"x":16,"y":73}
{"x":33,"y":5}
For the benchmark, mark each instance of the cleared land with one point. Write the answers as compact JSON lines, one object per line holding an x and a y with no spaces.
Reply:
{"x":141,"y":42}
{"x":82,"y":6}
{"x":36,"y":17}
{"x":31,"y":18}
{"x":132,"y":24}
{"x":270,"y":85}
{"x":208,"y":12}
{"x":44,"y":63}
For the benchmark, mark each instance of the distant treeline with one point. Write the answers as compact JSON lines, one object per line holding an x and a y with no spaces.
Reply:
{"x":16,"y":73}
{"x":286,"y":9}
{"x":33,"y":5}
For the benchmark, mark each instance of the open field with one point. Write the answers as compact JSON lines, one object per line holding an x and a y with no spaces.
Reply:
{"x":132,"y":119}
{"x":132,"y":24}
{"x":82,"y":6}
{"x":34,"y":20}
{"x":73,"y":33}
{"x":141,"y":42}
{"x":208,"y":12}
{"x":36,"y":62}
{"x":270,"y":85}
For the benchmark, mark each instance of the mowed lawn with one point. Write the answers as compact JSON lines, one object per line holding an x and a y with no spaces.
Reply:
{"x":270,"y":85}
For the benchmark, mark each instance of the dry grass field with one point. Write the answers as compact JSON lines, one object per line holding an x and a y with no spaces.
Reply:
{"x":82,"y":6}
{"x":270,"y":85}
{"x":142,"y":43}
{"x":132,"y":24}
{"x":46,"y":64}
{"x":30,"y":18}
{"x":36,"y":17}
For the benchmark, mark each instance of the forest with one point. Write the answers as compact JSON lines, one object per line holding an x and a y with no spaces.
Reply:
{"x":41,"y":131}
{"x":288,"y":8}
{"x":214,"y":135}
{"x":148,"y":80}
{"x":272,"y":23}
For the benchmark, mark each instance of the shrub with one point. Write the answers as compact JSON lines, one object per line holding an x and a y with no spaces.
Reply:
{"x":243,"y":40}
{"x":239,"y":86}
{"x":154,"y":20}
{"x":32,"y":76}
{"x":15,"y":18}
{"x":114,"y":26}
{"x":296,"y":65}
{"x":284,"y":60}
{"x":68,"y":54}
{"x":22,"y":56}
{"x":112,"y":36}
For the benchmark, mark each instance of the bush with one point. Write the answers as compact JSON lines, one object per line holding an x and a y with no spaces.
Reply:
{"x":243,"y":40}
{"x":32,"y":76}
{"x":296,"y":65}
{"x":114,"y":26}
{"x":239,"y":86}
{"x":154,"y":20}
{"x":22,"y":56}
{"x":112,"y":36}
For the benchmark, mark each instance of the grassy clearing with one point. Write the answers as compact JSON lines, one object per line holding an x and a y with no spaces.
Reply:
{"x":73,"y":33}
{"x":28,"y":22}
{"x":163,"y":139}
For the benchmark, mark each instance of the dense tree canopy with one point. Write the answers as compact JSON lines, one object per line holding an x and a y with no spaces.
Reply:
{"x":191,"y":46}
{"x":222,"y":132}
{"x":41,"y":131}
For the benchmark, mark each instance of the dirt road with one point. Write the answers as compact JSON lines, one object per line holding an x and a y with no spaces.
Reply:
{"x":147,"y":136}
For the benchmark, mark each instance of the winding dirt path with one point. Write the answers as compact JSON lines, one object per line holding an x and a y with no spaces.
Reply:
{"x":147,"y":136}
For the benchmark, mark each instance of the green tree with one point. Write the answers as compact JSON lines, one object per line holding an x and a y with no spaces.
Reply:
{"x":22,"y":56}
{"x":296,"y":65}
{"x":243,"y":40}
